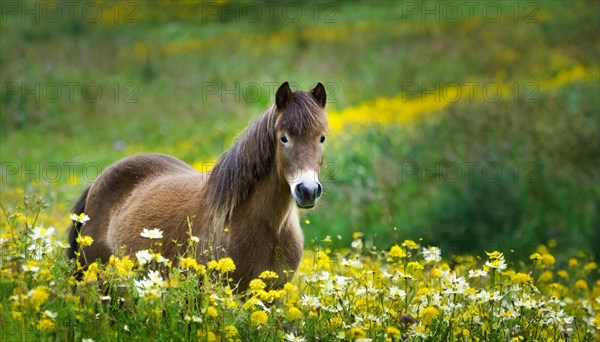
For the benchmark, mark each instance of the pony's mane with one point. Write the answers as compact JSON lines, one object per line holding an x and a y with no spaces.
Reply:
{"x":252,"y":155}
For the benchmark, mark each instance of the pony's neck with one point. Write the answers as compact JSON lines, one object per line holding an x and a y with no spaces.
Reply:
{"x":239,"y":170}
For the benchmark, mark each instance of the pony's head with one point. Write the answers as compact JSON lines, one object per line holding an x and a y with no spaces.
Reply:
{"x":300,"y":131}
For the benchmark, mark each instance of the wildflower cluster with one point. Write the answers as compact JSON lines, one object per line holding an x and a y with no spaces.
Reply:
{"x":407,"y":292}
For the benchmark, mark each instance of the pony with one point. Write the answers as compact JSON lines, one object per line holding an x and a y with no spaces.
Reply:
{"x":246,"y":208}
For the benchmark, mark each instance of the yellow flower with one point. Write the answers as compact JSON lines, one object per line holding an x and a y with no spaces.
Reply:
{"x":536,"y":257}
{"x":522,"y":278}
{"x":563,"y":274}
{"x":230,"y":331}
{"x":396,"y":252}
{"x":294,"y":314}
{"x":188,"y":263}
{"x":590,"y":267}
{"x":545,"y":277}
{"x":429,"y":314}
{"x":435,"y":273}
{"x":212,"y":264}
{"x":321,"y":259}
{"x":225,"y":265}
{"x":211,"y":311}
{"x":268,"y":275}
{"x":84,"y":240}
{"x":16,"y":315}
{"x":46,"y":325}
{"x":548,"y":260}
{"x":410,"y":244}
{"x":259,"y":317}
{"x":257,"y":285}
{"x":413,"y":266}
{"x":91,"y":274}
{"x":581,"y":285}
{"x":38,"y":296}
{"x":356,"y":333}
{"x":393,"y":332}
{"x":357,"y":235}
{"x":208,"y":336}
{"x":123,"y":266}
{"x":573,"y":263}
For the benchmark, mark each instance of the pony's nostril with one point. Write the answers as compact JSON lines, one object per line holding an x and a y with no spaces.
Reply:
{"x":319,"y":190}
{"x":298,"y":190}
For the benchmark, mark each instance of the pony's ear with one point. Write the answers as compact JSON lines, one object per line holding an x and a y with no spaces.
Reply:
{"x":283,"y":96}
{"x":319,"y":94}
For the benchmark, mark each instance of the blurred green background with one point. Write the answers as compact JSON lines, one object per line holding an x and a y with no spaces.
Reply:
{"x":472,"y":125}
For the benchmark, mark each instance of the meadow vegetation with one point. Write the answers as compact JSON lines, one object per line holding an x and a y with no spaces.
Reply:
{"x":475,"y":134}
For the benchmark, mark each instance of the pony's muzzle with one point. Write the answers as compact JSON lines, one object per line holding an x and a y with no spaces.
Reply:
{"x":306,"y":194}
{"x":306,"y":188}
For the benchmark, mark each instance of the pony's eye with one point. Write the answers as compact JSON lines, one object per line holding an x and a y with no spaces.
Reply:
{"x":284,"y":138}
{"x":322,"y":140}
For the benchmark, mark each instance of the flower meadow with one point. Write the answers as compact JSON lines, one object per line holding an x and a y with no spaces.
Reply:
{"x":410,"y":291}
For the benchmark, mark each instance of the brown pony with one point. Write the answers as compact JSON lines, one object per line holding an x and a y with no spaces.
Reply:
{"x":243,"y":209}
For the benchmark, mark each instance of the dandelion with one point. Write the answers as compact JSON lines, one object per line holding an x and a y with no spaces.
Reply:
{"x":46,"y":325}
{"x":521,"y":278}
{"x":81,"y":218}
{"x":257,"y":285}
{"x":581,"y":285}
{"x":211,"y":311}
{"x":536,"y":257}
{"x":259,"y":318}
{"x":547,"y":260}
{"x":396,"y":252}
{"x":225,"y":265}
{"x":152,"y":233}
{"x":38,"y":296}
